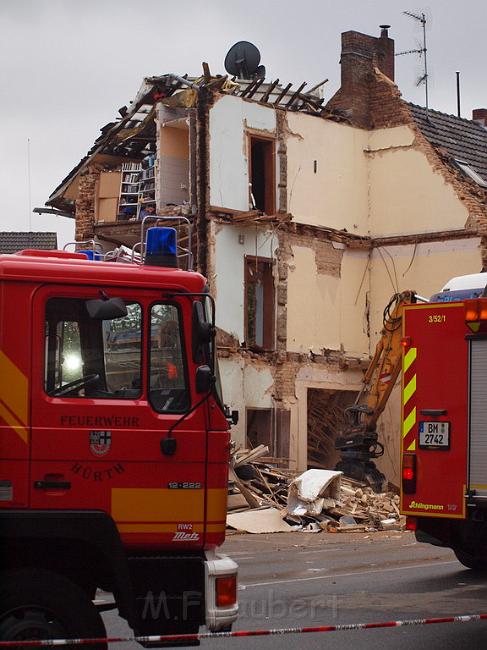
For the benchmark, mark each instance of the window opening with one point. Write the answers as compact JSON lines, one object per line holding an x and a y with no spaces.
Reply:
{"x":326,"y":421}
{"x":259,"y":428}
{"x":262,"y":174}
{"x":259,"y":294}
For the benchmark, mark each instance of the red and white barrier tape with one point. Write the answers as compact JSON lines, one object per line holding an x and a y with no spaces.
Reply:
{"x":469,"y":618}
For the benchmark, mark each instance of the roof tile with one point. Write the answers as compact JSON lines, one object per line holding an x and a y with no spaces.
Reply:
{"x":464,"y":140}
{"x":12,"y":242}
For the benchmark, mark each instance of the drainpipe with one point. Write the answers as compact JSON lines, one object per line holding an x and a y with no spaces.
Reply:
{"x":182,"y":80}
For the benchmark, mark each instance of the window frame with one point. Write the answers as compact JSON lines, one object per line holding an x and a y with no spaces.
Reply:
{"x":184,"y":356}
{"x":469,"y":171}
{"x":270,"y":199}
{"x":268,"y":338}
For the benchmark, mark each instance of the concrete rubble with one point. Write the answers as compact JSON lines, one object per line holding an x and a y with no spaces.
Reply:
{"x":263,"y":498}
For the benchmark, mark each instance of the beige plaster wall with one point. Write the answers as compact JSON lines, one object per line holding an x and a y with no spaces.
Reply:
{"x":232,"y":244}
{"x":174,"y":142}
{"x":230,"y":118}
{"x":425,"y":270}
{"x":398,"y":136}
{"x":245,"y":385}
{"x":406,"y":194}
{"x":326,"y":311}
{"x":336,"y":195}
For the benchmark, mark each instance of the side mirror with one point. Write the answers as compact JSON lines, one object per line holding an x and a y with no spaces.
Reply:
{"x":203,"y":333}
{"x":205,"y":379}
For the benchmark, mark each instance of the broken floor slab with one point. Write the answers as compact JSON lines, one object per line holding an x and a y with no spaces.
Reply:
{"x":267,"y":520}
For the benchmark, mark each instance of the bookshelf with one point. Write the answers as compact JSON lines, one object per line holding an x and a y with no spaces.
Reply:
{"x":147,"y":186}
{"x":129,"y":191}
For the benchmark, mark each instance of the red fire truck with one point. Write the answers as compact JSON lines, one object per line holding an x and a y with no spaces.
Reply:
{"x":114,"y":446}
{"x":444,"y":422}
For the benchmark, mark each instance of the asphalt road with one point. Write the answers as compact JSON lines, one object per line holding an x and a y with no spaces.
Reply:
{"x":300,"y":579}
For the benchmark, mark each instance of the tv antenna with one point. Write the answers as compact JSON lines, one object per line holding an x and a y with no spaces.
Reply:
{"x":421,"y":51}
{"x":243,"y":60}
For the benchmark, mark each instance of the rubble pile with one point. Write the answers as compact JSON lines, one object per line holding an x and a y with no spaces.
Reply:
{"x":262,"y":498}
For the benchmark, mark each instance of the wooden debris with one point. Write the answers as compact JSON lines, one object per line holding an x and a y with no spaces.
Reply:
{"x":256,"y":483}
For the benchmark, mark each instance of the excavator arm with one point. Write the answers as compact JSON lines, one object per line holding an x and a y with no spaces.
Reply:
{"x":358,"y":443}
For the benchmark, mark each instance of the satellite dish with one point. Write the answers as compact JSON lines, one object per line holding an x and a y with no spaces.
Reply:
{"x":243,"y":60}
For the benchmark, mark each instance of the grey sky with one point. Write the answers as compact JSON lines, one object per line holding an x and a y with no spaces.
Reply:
{"x":68,"y":65}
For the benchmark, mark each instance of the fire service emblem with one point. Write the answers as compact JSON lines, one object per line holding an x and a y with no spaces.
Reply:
{"x":100,"y":442}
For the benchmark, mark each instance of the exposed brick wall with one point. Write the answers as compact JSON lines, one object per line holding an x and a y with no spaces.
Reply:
{"x":284,"y":390}
{"x":386,"y":109}
{"x":281,"y":117}
{"x":85,"y":203}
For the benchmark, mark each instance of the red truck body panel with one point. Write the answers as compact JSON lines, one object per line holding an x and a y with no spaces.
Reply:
{"x":157,"y":501}
{"x":435,"y":391}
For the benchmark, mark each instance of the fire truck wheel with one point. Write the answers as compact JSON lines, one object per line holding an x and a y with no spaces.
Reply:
{"x":39,"y":604}
{"x":471,"y":561}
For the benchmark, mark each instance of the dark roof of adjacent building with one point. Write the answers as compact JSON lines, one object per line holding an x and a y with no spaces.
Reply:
{"x":464,"y":140}
{"x":11,"y":242}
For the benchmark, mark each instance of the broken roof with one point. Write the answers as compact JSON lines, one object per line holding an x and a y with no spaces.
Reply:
{"x":129,"y":134}
{"x":12,"y":242}
{"x":464,"y":140}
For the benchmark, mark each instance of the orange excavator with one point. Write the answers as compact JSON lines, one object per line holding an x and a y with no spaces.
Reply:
{"x":358,"y":443}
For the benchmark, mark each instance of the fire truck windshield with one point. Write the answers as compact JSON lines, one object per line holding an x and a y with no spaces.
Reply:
{"x":85,"y":357}
{"x":94,"y":358}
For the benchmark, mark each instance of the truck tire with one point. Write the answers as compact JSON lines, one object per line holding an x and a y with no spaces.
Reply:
{"x":40,"y":604}
{"x":470,"y":561}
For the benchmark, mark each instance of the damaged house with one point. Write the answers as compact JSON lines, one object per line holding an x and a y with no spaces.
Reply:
{"x":307,"y":217}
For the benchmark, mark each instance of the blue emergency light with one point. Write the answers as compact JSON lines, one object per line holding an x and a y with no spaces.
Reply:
{"x":92,"y":256}
{"x":161,"y":247}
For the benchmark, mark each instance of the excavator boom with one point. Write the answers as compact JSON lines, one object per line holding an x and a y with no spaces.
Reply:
{"x":358,"y":444}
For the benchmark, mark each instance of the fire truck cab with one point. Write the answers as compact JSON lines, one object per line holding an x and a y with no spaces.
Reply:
{"x":444,"y":419}
{"x":114,"y":446}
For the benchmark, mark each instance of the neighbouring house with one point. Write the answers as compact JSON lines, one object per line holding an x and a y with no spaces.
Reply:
{"x":307,"y":217}
{"x":12,"y":242}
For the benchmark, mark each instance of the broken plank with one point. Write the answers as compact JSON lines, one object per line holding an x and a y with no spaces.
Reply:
{"x":251,"y":499}
{"x":268,"y":92}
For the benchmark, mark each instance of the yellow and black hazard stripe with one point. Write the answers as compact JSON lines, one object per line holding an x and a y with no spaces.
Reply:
{"x":409,"y":400}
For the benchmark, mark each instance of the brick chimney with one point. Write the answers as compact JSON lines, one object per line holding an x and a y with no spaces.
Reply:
{"x":362,"y":53}
{"x":480,"y":115}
